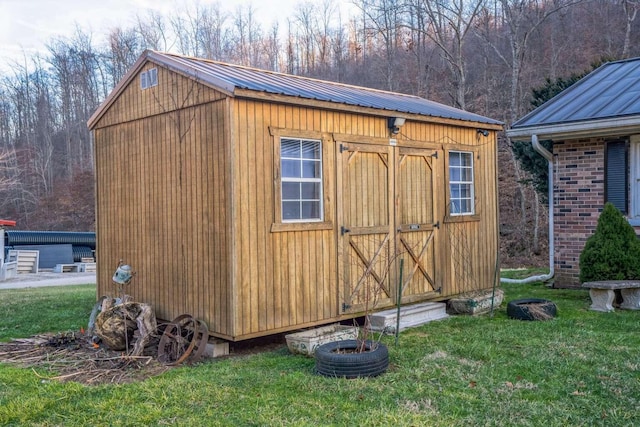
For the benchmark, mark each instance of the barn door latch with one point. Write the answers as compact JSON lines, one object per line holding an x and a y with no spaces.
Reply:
{"x":435,"y":154}
{"x":343,"y":148}
{"x":344,"y":230}
{"x":437,"y":225}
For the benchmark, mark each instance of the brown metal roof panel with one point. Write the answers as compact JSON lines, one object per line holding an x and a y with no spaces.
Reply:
{"x":306,"y":88}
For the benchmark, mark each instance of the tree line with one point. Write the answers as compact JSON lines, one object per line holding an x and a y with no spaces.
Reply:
{"x":483,"y":56}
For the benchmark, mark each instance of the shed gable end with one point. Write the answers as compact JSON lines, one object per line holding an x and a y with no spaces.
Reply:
{"x":172,"y":92}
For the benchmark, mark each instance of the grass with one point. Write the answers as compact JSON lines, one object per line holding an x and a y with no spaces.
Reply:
{"x":29,"y":311}
{"x":581,"y":368}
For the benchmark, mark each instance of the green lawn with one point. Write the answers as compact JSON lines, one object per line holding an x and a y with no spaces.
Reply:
{"x":580,"y":369}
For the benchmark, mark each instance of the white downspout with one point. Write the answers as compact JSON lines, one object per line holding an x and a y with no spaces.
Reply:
{"x":542,"y":278}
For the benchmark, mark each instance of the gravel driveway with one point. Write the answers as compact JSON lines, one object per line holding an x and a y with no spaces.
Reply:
{"x":36,"y":280}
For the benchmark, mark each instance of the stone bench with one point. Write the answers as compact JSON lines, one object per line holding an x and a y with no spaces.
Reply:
{"x":603,"y":294}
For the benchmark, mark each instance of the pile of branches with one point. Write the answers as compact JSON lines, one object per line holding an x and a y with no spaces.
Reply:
{"x":73,"y":356}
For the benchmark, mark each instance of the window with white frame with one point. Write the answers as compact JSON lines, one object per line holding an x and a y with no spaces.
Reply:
{"x":461,"y":183}
{"x":149,"y":78}
{"x":301,"y":180}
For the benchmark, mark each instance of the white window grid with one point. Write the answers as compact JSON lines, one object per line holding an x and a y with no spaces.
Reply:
{"x":300,"y":179}
{"x":461,"y":190}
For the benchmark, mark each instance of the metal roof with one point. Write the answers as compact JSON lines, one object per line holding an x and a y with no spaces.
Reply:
{"x":231,"y":77}
{"x":610,"y":92}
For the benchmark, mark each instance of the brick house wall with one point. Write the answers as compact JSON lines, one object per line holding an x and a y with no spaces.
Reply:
{"x":579,"y":196}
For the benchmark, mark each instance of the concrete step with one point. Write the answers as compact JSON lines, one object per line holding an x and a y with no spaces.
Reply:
{"x":410,"y":316}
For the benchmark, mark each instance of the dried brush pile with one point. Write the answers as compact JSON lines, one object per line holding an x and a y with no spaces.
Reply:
{"x":72,"y":356}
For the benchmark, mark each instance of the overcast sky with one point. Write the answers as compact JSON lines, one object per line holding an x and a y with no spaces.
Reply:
{"x":27,"y":25}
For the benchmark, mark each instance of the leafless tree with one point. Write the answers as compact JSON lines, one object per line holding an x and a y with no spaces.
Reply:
{"x":520,"y":20}
{"x":449,"y":24}
{"x":384,"y":23}
{"x":8,"y":174}
{"x":152,"y":29}
{"x":305,"y":18}
{"x":272,"y":48}
{"x":246,"y":35}
{"x":630,"y":8}
{"x":211,"y":36}
{"x":124,"y":48}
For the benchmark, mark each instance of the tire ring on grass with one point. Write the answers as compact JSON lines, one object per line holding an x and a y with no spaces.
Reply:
{"x":522,"y":309}
{"x":331,"y":362}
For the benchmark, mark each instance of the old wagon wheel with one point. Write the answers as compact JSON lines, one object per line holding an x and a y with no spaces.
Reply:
{"x":180,"y":338}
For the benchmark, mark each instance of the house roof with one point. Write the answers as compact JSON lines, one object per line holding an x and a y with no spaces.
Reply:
{"x":605,"y":102}
{"x":233,"y":79}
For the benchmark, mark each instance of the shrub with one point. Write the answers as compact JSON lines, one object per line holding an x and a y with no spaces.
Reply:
{"x":613,"y":251}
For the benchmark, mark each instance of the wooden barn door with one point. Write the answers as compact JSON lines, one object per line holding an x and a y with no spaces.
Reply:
{"x":366,"y":240}
{"x":416,"y":222}
{"x":386,"y":213}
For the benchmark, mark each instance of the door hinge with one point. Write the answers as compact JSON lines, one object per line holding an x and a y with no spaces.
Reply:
{"x":435,"y":154}
{"x":344,"y":230}
{"x":437,"y":225}
{"x":345,"y":306}
{"x":343,"y":148}
{"x":439,"y":290}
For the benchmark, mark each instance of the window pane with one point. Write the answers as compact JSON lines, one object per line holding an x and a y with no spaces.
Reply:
{"x":310,"y":169}
{"x":455,"y":191}
{"x":290,"y":191}
{"x":310,"y":210}
{"x":454,"y":174}
{"x":291,"y":168}
{"x":153,"y":77}
{"x":290,"y":148}
{"x":311,"y":190}
{"x":455,"y":206}
{"x":454,"y":159}
{"x":310,"y":150}
{"x":465,"y":206}
{"x":465,"y":191}
{"x":290,"y":210}
{"x":467,"y":175}
{"x":465,"y":159}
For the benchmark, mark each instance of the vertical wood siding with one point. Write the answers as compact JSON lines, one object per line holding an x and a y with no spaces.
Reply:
{"x":291,"y":278}
{"x":187,"y":193}
{"x":162,"y":206}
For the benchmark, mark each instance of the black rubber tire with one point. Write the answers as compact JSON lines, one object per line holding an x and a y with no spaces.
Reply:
{"x":370,"y":363}
{"x":519,"y":309}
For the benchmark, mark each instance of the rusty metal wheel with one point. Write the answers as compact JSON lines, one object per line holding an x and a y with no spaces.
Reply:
{"x":180,"y":338}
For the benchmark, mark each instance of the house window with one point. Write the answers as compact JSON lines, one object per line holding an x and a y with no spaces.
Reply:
{"x":461,"y":183}
{"x":301,"y":182}
{"x":616,"y":184}
{"x":149,"y":78}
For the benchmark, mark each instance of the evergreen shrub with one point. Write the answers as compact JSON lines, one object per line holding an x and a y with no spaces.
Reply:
{"x":613,"y":251}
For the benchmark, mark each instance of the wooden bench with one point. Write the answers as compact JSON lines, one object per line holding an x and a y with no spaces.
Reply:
{"x":603,"y":294}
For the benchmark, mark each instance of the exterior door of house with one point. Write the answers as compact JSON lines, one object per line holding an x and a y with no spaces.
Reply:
{"x":386,"y":213}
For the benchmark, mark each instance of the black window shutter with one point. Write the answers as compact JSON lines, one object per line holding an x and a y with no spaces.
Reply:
{"x":616,"y":173}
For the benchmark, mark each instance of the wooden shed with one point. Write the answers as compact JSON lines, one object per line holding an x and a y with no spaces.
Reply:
{"x":262,"y":202}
